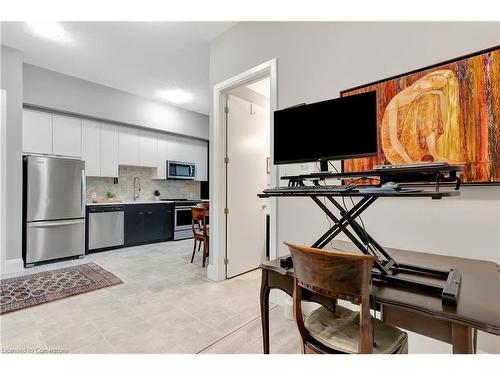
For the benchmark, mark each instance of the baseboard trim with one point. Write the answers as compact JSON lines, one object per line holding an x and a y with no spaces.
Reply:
{"x":12,"y":266}
{"x":212,"y":273}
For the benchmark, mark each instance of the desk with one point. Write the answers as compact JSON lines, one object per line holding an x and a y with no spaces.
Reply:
{"x":478,"y":307}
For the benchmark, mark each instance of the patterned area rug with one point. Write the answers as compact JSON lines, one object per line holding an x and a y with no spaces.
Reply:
{"x":21,"y":292}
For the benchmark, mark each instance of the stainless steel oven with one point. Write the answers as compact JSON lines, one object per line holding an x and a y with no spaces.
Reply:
{"x":179,"y":170}
{"x":182,"y":223}
{"x":182,"y":219}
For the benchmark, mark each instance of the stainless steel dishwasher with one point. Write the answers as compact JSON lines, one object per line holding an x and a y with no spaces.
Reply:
{"x":105,"y":227}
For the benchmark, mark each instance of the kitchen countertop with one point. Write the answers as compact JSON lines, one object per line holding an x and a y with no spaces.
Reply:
{"x":125,"y":202}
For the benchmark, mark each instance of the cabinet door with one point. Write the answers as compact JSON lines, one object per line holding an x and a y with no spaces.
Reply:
{"x":66,"y":136}
{"x":109,"y":150}
{"x":37,"y":132}
{"x":148,"y":148}
{"x":91,"y":147}
{"x":160,"y":172}
{"x":200,"y":151}
{"x":155,"y":223}
{"x":177,"y":150}
{"x":134,"y":224}
{"x":128,"y":146}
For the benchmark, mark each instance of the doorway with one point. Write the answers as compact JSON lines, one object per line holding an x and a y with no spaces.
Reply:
{"x":216,"y":269}
{"x":247,"y":174}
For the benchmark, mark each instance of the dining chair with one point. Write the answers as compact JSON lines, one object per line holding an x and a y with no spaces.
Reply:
{"x":204,"y":205}
{"x":342,"y":276}
{"x":200,"y":231}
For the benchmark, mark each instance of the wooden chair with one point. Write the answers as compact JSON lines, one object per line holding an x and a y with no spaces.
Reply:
{"x":341,"y":276}
{"x":200,"y":231}
{"x":204,"y":205}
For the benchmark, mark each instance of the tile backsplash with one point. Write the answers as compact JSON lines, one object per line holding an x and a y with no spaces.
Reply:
{"x":124,"y":189}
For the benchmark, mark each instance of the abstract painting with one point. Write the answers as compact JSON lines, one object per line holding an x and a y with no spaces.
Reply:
{"x":449,"y":112}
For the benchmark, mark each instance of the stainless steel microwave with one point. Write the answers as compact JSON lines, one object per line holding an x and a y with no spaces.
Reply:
{"x":179,"y":170}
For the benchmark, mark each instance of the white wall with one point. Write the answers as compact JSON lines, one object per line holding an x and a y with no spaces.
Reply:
{"x":318,"y":60}
{"x":46,"y":88}
{"x":12,"y":83}
{"x":315,"y":62}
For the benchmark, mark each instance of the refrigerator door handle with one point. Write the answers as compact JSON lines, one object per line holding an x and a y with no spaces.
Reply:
{"x":55,"y":223}
{"x":84,"y":192}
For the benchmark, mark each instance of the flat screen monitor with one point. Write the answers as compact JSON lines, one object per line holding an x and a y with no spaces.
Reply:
{"x":342,"y":128}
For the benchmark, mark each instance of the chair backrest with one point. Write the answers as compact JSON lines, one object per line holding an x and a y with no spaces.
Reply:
{"x":337,"y":275}
{"x":199,"y":220}
{"x":204,"y":205}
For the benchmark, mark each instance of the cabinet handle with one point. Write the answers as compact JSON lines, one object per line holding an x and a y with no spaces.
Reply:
{"x":150,"y":212}
{"x":141,"y":213}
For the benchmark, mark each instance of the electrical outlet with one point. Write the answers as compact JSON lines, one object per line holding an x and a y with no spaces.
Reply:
{"x":304,"y":167}
{"x":94,"y":195}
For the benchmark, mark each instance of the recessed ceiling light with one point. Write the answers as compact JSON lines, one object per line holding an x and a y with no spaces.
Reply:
{"x":49,"y":30}
{"x":175,"y":95}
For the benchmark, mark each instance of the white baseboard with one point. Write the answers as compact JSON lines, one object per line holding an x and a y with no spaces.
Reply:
{"x":212,"y":273}
{"x":12,"y":266}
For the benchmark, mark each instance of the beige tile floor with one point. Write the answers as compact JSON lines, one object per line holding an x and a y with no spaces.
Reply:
{"x":165,"y":305}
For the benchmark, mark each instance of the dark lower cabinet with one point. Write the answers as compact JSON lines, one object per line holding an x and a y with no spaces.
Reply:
{"x":134,"y":224}
{"x":155,"y":222}
{"x":146,"y":223}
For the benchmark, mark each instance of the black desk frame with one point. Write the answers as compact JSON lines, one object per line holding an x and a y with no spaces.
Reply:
{"x":386,"y":269}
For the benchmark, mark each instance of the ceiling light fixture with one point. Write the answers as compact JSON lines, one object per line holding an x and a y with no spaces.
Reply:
{"x":175,"y":95}
{"x":49,"y":30}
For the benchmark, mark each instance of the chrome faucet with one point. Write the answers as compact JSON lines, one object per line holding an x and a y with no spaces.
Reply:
{"x":137,"y":188}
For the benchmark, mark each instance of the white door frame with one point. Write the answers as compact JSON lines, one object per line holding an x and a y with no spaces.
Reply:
{"x":216,"y":269}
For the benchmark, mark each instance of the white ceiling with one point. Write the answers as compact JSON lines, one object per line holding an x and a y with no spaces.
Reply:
{"x":138,"y":57}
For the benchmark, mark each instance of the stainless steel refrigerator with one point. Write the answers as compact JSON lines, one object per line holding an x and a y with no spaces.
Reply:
{"x":53,"y":208}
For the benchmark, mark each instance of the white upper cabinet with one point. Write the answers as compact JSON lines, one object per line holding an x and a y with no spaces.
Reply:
{"x":129,"y":146}
{"x":200,"y":152}
{"x":37,"y":132}
{"x":66,"y":136}
{"x":160,"y":172}
{"x":104,"y":146}
{"x":189,"y":150}
{"x":175,"y":148}
{"x":109,"y":150}
{"x":148,"y":148}
{"x":91,"y":147}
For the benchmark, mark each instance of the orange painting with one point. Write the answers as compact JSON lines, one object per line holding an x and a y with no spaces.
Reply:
{"x":448,"y":112}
